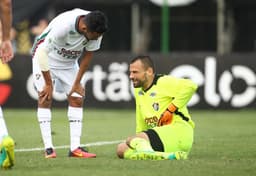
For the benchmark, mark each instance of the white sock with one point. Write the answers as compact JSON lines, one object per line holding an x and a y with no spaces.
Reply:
{"x":75,"y":116}
{"x":44,"y":118}
{"x":3,"y":128}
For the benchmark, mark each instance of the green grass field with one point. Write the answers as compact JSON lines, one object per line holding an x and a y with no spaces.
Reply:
{"x":225,"y":145}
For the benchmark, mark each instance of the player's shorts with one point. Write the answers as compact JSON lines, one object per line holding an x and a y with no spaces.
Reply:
{"x":177,"y":136}
{"x":62,"y":79}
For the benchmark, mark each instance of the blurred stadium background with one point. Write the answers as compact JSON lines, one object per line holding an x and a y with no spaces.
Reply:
{"x":209,"y":41}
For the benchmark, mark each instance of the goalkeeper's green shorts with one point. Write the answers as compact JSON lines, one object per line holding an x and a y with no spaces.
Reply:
{"x":178,"y":136}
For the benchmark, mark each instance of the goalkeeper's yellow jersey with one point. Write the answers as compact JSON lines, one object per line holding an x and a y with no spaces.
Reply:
{"x":150,"y":104}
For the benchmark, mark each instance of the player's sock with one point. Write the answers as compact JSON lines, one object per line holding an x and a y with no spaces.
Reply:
{"x":75,"y":116}
{"x":3,"y":128}
{"x":139,"y":147}
{"x":140,"y":144}
{"x":142,"y":150}
{"x":132,"y":154}
{"x":128,"y":153}
{"x":44,"y":118}
{"x":154,"y":155}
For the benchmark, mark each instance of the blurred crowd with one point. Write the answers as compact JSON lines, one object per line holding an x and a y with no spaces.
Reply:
{"x":23,"y":35}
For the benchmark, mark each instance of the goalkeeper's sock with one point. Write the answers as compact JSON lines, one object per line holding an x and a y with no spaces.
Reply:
{"x":44,"y":118}
{"x":140,"y":149}
{"x":140,"y":144}
{"x":3,"y":128}
{"x":128,"y":153}
{"x":144,"y":155}
{"x":154,"y":155}
{"x":75,"y":116}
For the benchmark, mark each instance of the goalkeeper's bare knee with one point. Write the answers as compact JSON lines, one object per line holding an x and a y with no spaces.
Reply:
{"x":121,"y":148}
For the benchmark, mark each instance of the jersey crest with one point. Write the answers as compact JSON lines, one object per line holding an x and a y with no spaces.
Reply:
{"x":155,"y":106}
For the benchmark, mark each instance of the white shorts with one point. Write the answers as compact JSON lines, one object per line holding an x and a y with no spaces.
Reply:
{"x":62,"y":79}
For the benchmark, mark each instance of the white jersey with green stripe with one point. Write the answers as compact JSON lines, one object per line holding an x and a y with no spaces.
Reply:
{"x":63,"y":43}
{"x":150,"y":104}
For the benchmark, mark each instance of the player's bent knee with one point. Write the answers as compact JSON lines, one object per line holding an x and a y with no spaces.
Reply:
{"x":44,"y":103}
{"x":75,"y":101}
{"x":121,"y":148}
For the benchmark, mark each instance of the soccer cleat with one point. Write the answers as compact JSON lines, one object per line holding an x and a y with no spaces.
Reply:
{"x":81,"y":153}
{"x":179,"y":155}
{"x":3,"y":157}
{"x":50,"y":153}
{"x":7,"y":152}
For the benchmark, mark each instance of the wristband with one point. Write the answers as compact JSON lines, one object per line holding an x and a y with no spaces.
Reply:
{"x":171,"y":108}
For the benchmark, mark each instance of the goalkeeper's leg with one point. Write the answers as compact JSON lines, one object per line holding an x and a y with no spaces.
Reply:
{"x":139,"y":142}
{"x":142,"y":150}
{"x":139,"y":148}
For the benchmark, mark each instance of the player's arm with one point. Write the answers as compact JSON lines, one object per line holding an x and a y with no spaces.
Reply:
{"x":6,"y":18}
{"x":46,"y":94}
{"x":184,"y":89}
{"x":6,"y":50}
{"x":84,"y":64}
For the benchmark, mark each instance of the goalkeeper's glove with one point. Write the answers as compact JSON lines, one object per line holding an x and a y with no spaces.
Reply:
{"x":167,"y":116}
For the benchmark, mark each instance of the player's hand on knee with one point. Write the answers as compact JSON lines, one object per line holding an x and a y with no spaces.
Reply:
{"x":77,"y":89}
{"x":46,"y":93}
{"x":45,"y":96}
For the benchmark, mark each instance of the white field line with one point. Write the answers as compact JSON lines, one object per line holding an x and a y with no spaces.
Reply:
{"x":100,"y":143}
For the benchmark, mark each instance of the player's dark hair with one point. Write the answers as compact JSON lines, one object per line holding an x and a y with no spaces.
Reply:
{"x":96,"y":21}
{"x":146,"y":60}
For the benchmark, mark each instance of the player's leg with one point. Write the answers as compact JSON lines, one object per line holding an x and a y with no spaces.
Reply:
{"x":43,"y":112}
{"x":3,"y":128}
{"x":139,"y":148}
{"x":175,"y":137}
{"x":6,"y":145}
{"x":138,"y":142}
{"x":75,"y":114}
{"x":147,"y":146}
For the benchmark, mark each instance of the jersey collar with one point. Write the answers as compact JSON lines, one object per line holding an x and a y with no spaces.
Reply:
{"x":156,"y":77}
{"x":77,"y":23}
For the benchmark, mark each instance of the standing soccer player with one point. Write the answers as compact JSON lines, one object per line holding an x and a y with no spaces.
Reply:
{"x":163,"y":125}
{"x":6,"y":54}
{"x":72,"y":35}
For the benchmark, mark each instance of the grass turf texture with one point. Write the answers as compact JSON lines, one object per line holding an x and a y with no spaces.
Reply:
{"x":225,"y":144}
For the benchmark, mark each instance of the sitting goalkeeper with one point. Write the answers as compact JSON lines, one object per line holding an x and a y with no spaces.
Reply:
{"x":164,"y":129}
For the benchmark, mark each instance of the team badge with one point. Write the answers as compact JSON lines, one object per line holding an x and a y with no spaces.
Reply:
{"x":155,"y":106}
{"x":152,"y":94}
{"x":38,"y":76}
{"x":140,"y":93}
{"x":71,"y":32}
